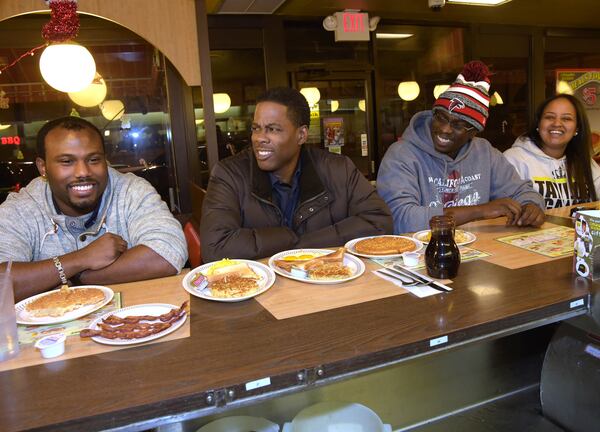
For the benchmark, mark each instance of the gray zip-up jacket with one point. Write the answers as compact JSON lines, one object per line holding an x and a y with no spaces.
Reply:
{"x":417,"y":182}
{"x":32,"y":230}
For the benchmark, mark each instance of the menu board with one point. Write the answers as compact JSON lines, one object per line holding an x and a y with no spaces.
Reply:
{"x":584,"y":84}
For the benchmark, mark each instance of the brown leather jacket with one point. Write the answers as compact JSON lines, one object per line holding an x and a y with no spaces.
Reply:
{"x":240,"y":219}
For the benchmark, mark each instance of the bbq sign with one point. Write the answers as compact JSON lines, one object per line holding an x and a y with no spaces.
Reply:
{"x":10,"y":140}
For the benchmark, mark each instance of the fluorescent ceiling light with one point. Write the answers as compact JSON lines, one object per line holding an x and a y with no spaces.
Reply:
{"x":393,"y":35}
{"x":480,"y":2}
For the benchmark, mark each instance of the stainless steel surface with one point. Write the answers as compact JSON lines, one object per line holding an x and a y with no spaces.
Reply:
{"x":570,"y":382}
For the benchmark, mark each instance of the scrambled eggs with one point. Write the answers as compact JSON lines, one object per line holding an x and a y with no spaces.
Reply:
{"x":226,"y":262}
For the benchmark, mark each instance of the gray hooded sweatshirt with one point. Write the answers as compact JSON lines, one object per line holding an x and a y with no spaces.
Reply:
{"x":417,"y":182}
{"x":32,"y":230}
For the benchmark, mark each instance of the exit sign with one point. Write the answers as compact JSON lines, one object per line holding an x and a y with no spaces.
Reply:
{"x":352,"y":26}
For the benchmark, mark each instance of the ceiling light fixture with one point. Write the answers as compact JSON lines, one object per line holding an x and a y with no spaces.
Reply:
{"x":4,"y":126}
{"x":408,"y":90}
{"x":334,"y":105}
{"x":393,"y":35}
{"x":496,"y":99}
{"x":362,"y":105}
{"x":65,"y":65}
{"x":92,"y":95}
{"x":221,"y":102}
{"x":439,"y":89}
{"x":479,"y":2}
{"x":112,"y":109}
{"x":312,"y":95}
{"x":563,"y":87}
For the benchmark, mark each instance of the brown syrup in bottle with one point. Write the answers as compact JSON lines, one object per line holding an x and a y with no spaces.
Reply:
{"x":442,"y":257}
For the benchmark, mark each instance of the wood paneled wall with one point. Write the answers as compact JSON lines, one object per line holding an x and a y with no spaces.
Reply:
{"x":169,"y":25}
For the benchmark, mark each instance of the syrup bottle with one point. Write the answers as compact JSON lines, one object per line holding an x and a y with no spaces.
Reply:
{"x":442,"y":256}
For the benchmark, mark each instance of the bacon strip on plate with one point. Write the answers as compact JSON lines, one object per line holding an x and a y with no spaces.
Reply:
{"x":130,"y":327}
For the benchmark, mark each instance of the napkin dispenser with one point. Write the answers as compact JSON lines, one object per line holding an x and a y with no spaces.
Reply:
{"x":586,"y":259}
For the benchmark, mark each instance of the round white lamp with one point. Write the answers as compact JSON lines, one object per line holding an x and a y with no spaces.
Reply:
{"x":408,"y":90}
{"x":68,"y":67}
{"x":112,"y":109}
{"x":496,"y":99}
{"x":361,"y":105}
{"x":334,"y":105}
{"x":312,"y":95}
{"x":92,"y":95}
{"x":3,"y":126}
{"x":563,"y":87}
{"x":221,"y":102}
{"x":439,"y":89}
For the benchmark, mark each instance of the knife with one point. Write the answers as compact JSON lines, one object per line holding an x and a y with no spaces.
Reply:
{"x":409,"y":273}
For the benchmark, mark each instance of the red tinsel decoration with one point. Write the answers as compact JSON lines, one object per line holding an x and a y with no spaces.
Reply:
{"x":476,"y":71}
{"x":64,"y":21}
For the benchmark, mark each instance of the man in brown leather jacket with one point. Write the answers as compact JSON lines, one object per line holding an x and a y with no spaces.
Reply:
{"x":281,"y":195}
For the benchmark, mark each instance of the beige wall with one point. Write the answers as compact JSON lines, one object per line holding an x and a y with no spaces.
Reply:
{"x":169,"y":25}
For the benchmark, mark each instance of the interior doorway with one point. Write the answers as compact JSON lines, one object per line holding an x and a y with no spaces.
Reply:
{"x":341,"y":118}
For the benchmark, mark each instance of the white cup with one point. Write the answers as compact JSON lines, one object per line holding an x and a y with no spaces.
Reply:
{"x":411,"y":259}
{"x":51,"y":345}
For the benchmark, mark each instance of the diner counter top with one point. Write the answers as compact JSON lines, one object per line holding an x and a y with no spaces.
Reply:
{"x":238,"y":353}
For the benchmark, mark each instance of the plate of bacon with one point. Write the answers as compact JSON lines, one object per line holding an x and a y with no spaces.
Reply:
{"x":136,"y":324}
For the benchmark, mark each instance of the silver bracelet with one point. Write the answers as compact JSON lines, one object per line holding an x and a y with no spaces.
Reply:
{"x":61,"y":270}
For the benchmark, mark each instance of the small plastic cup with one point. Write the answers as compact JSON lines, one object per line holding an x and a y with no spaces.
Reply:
{"x":299,"y":273}
{"x":410,"y":259}
{"x":52,"y":345}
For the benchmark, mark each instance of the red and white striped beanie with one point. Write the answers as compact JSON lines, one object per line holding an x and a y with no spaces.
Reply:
{"x":468,"y":97}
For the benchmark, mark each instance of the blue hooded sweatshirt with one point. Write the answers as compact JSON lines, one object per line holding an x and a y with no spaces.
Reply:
{"x":417,"y":181}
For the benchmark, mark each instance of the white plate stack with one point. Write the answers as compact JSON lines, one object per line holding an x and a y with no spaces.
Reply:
{"x":336,"y":417}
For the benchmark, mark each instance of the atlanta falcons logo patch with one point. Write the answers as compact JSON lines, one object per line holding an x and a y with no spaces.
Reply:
{"x":456,"y":104}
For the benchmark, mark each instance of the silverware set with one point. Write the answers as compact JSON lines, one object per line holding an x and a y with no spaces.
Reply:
{"x":410,"y":278}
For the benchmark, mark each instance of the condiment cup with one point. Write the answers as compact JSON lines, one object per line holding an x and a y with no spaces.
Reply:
{"x":299,"y":273}
{"x":410,"y":259}
{"x":51,"y":345}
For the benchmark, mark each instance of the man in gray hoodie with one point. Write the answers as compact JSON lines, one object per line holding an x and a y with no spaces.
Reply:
{"x":440,"y":167}
{"x":84,"y":221}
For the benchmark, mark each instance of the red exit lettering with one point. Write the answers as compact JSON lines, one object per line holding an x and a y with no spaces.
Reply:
{"x":354,"y":23}
{"x":11,"y":140}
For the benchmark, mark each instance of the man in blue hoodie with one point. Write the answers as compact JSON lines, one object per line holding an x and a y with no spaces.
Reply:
{"x":440,"y":167}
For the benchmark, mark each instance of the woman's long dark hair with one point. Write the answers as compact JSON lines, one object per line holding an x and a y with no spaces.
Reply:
{"x":578,"y":151}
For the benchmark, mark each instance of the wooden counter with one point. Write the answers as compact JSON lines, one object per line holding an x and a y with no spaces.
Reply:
{"x":234,"y":345}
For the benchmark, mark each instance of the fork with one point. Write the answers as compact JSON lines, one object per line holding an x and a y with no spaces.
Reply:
{"x":406,"y":281}
{"x":409,"y":273}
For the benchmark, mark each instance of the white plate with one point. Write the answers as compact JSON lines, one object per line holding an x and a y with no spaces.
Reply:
{"x":267,"y":278}
{"x":240,"y":424}
{"x":351,"y":243}
{"x":422,"y":235}
{"x":24,"y":317}
{"x":356,"y":265}
{"x":142,"y":309}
